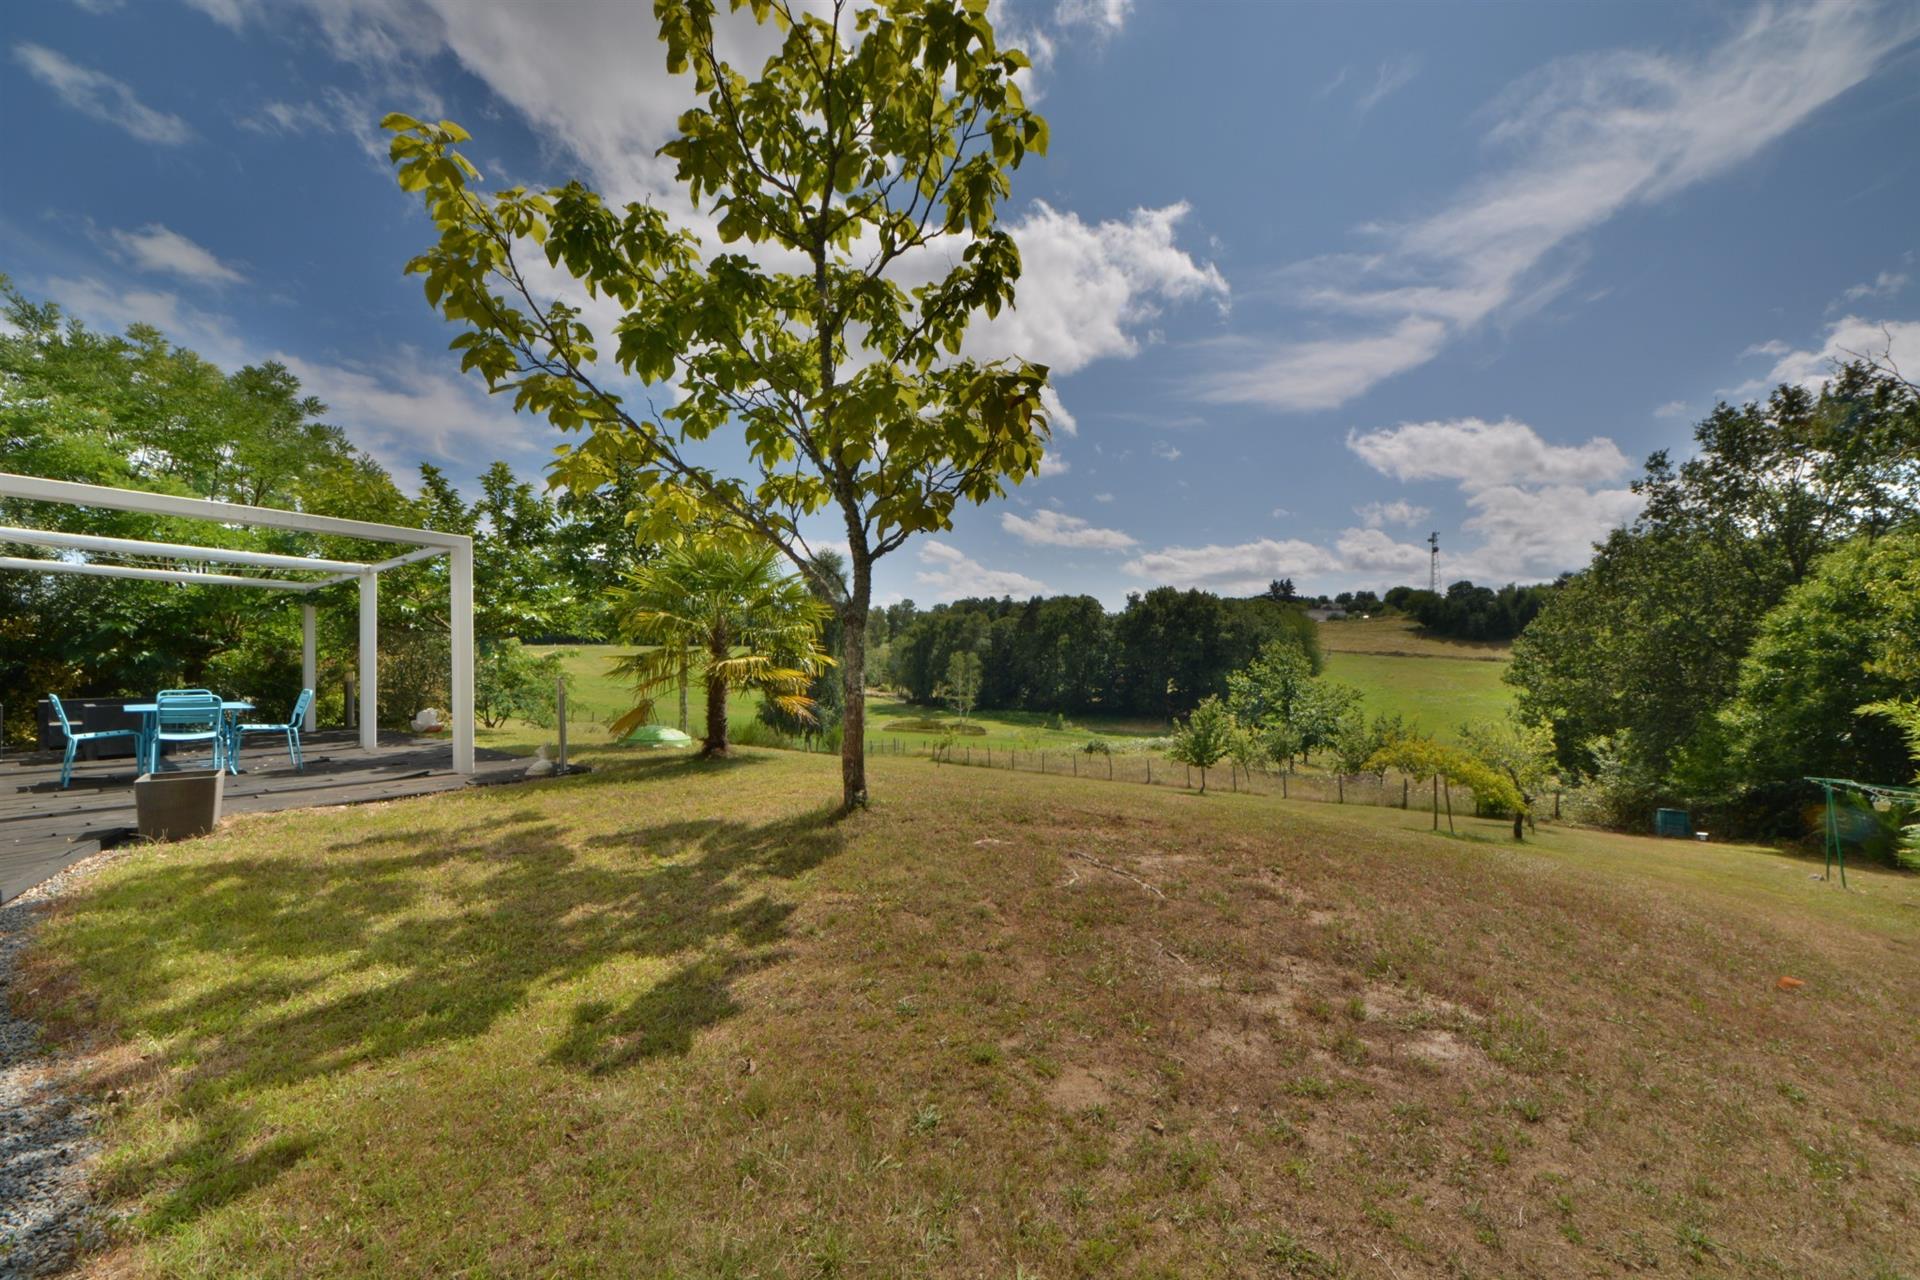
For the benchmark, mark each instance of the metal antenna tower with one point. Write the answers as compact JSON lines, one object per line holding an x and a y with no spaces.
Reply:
{"x":1433,"y":562}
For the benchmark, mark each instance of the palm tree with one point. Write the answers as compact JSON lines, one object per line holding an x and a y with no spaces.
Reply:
{"x":754,"y":627}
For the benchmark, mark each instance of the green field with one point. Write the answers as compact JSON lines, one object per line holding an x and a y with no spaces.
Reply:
{"x":1432,"y":689}
{"x":672,"y":1018}
{"x":1436,"y":694}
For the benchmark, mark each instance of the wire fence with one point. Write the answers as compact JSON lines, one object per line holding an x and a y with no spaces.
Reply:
{"x":1391,"y":791}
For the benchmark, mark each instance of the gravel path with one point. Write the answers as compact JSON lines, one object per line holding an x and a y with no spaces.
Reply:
{"x":46,"y":1138}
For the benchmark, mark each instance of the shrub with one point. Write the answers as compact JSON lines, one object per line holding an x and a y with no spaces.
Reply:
{"x":509,"y":683}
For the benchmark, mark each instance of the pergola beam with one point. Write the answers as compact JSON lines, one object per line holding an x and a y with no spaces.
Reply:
{"x":176,"y":550}
{"x":165,"y":504}
{"x":153,"y":575}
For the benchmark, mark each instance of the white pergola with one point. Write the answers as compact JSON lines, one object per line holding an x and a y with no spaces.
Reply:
{"x":457,"y":547}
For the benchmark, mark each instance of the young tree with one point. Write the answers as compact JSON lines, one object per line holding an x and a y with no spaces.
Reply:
{"x":1278,"y":696}
{"x":962,"y":688}
{"x":1207,"y":738}
{"x":753,"y":627}
{"x":1425,"y":760}
{"x":1519,"y":749}
{"x":872,"y":151}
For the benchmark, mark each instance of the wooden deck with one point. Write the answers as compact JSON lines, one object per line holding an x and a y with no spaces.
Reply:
{"x":43,"y":829}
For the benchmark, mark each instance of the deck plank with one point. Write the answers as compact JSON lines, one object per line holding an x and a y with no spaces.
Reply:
{"x":44,"y":829}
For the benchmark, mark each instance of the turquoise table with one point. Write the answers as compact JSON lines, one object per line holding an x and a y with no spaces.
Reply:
{"x":149,"y":713}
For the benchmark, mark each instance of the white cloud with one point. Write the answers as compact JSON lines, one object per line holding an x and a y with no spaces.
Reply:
{"x":1053,"y":463}
{"x":1281,"y":513}
{"x":1086,"y":290}
{"x":1166,"y":452}
{"x":1672,"y":409}
{"x":1480,"y":454}
{"x":1243,"y":568}
{"x":1105,"y":16}
{"x":109,"y":308}
{"x":1536,"y":533}
{"x":231,"y":14}
{"x":101,"y":96}
{"x":1393,"y":75}
{"x":407,"y":403}
{"x":1589,"y":136}
{"x":1371,"y":553}
{"x":1378,"y":515}
{"x":1849,"y":338}
{"x":1058,"y":417}
{"x":1103,"y":497}
{"x":953,"y":575}
{"x":159,"y":249}
{"x":1056,"y":529}
{"x":1772,"y":347}
{"x":1884,"y":285}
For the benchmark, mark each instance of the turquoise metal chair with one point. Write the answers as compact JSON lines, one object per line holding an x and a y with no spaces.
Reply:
{"x":291,"y":731}
{"x":189,"y":715}
{"x":75,"y":739}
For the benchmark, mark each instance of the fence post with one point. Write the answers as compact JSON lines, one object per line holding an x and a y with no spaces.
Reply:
{"x":1340,"y":786}
{"x":1149,"y":770}
{"x":1189,"y":777}
{"x":1556,"y":806}
{"x":560,"y":705}
{"x":1074,"y":759}
{"x":1450,"y":829}
{"x":1436,"y":802}
{"x":1403,"y":793}
{"x":1109,"y":766}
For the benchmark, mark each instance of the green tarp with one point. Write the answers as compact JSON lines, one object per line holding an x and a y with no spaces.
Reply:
{"x":657,"y":735}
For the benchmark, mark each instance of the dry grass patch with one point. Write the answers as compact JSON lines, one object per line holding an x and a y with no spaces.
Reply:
{"x":673,"y":1020}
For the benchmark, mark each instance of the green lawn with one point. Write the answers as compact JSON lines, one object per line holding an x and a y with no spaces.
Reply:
{"x":673,"y":1019}
{"x":1437,"y":694}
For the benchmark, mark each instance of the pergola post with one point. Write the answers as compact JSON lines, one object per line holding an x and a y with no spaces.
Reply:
{"x":309,"y":664}
{"x":369,"y":661}
{"x":460,"y":587}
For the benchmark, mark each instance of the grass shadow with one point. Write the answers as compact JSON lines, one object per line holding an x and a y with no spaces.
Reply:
{"x":403,"y":941}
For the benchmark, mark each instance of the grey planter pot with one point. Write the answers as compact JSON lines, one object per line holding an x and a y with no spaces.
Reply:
{"x":179,"y":806}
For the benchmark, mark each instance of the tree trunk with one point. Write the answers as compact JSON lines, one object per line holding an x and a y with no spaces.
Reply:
{"x":853,"y":683}
{"x":716,"y":744}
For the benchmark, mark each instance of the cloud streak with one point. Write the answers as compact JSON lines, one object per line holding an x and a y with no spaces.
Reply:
{"x":101,"y":96}
{"x":1056,"y":529}
{"x":1584,"y":139}
{"x":159,"y":249}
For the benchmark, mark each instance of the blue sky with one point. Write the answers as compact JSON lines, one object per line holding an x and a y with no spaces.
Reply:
{"x":1314,"y":280}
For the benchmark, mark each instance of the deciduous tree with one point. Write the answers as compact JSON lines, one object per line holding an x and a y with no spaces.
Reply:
{"x":1205,"y":738}
{"x":864,"y":165}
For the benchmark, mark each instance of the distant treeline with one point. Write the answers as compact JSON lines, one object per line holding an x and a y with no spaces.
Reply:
{"x":1467,"y":612}
{"x":1159,"y":656}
